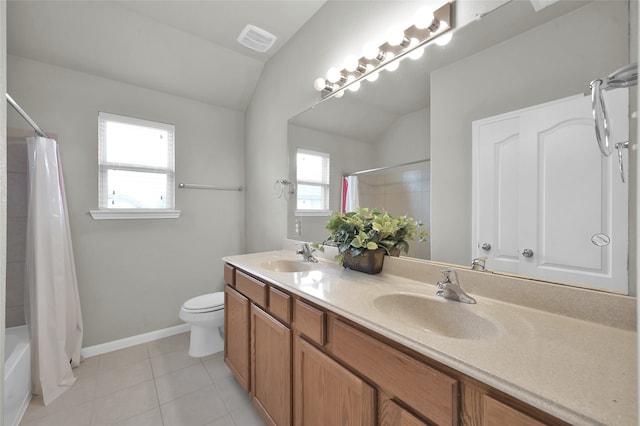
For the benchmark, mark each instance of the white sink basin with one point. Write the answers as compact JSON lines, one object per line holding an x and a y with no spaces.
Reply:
{"x":286,"y":265}
{"x":437,"y":315}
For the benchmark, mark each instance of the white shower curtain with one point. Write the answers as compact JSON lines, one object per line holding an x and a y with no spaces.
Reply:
{"x":54,"y":316}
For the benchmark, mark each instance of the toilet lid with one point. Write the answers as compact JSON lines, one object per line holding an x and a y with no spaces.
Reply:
{"x":206,"y":301}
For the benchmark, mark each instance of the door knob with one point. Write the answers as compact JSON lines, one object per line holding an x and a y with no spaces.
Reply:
{"x":527,"y":253}
{"x":486,"y":246}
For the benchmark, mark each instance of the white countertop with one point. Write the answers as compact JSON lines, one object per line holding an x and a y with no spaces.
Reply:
{"x":579,"y":371}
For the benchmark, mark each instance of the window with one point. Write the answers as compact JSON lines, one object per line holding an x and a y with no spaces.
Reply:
{"x":312,"y":174}
{"x":135,"y":168}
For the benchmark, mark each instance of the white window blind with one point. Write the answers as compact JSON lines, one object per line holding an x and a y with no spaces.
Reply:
{"x":312,"y":175}
{"x":136,"y":164}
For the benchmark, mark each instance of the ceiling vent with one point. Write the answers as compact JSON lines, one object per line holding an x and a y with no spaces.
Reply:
{"x":256,"y":38}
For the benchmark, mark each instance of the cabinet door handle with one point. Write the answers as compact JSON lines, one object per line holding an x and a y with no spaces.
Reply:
{"x":527,"y":253}
{"x":486,"y":246}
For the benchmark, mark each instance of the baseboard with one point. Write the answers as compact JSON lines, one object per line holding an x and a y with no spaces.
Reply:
{"x":104,"y":348}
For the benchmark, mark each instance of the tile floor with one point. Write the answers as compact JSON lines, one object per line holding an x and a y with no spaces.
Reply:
{"x":153,"y":384}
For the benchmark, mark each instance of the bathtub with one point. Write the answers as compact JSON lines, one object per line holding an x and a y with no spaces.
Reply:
{"x":17,"y":374}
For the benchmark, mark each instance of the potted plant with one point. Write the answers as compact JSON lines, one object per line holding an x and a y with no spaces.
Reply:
{"x":365,"y":236}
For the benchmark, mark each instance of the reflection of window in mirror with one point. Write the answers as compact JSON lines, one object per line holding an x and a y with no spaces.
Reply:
{"x":312,"y":175}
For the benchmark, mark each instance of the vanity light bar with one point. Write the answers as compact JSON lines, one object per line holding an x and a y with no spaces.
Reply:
{"x":376,"y":58}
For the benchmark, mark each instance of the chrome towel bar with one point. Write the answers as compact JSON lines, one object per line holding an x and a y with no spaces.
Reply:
{"x":215,"y":188}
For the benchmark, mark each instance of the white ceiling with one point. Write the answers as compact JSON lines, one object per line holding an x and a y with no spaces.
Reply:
{"x":182,"y":47}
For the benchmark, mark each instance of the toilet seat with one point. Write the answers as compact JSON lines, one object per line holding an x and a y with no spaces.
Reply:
{"x":206,"y":303}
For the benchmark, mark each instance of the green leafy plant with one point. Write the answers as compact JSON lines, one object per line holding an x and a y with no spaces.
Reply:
{"x":370,"y":229}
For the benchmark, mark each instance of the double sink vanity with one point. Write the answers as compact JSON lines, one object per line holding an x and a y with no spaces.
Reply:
{"x":315,"y":343}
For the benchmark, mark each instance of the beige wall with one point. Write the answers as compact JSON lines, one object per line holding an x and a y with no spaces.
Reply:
{"x":133,"y":275}
{"x":406,"y":140}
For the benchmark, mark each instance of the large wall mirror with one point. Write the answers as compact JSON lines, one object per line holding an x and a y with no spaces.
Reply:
{"x":511,"y":59}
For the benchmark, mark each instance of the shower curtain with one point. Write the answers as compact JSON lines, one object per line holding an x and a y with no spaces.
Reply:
{"x":350,"y":197}
{"x":53,"y":303}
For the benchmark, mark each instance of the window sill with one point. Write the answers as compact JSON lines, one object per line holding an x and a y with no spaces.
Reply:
{"x":313,"y":213}
{"x":134,"y":214}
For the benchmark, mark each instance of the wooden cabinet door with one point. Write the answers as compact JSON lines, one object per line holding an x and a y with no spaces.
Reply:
{"x":325,"y":393}
{"x":391,"y":414}
{"x":270,"y":367}
{"x":236,"y":335}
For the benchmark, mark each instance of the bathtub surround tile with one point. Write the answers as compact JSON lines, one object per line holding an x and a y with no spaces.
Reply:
{"x":191,"y":391}
{"x":198,"y":408}
{"x":17,"y":194}
{"x":182,"y":382}
{"x":14,"y":316}
{"x":17,"y":239}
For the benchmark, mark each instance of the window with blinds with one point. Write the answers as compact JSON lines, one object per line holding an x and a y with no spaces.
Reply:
{"x":136,"y":163}
{"x":312,"y":175}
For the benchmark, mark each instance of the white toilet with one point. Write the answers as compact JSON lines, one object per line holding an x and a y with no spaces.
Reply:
{"x":205,"y":314}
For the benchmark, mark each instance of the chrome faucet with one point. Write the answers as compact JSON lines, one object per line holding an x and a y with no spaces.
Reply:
{"x":450,"y":289}
{"x":479,"y":264}
{"x":306,"y":252}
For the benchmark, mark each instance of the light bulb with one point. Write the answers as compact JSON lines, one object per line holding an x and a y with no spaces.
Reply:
{"x":319,"y":84}
{"x":423,"y":18}
{"x":444,"y":39}
{"x":371,"y":51}
{"x":355,"y":86}
{"x":373,"y":76}
{"x":417,"y":53}
{"x":395,"y":36}
{"x":339,"y":94}
{"x":351,"y":63}
{"x":443,"y":25}
{"x":334,"y":75}
{"x":393,"y":65}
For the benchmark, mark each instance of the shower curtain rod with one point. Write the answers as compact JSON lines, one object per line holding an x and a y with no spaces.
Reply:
{"x":24,"y":115}
{"x":379,"y":169}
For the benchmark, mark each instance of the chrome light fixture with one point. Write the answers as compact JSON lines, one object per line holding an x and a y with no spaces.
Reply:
{"x":427,"y":26}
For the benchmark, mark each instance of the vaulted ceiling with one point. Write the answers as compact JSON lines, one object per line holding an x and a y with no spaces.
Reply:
{"x":186,"y":48}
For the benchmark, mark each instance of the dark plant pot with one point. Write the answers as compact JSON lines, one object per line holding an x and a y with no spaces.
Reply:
{"x":395,"y":252}
{"x":369,"y":261}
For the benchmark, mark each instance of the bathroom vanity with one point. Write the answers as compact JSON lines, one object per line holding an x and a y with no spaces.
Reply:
{"x":314,"y":343}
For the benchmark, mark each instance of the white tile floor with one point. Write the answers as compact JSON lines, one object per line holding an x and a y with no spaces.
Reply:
{"x":153,"y":384}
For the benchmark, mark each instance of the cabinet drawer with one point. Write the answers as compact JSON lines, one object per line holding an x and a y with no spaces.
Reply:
{"x":311,"y":322}
{"x":280,"y":304}
{"x":229,"y":275}
{"x":429,"y":392}
{"x":252,"y":288}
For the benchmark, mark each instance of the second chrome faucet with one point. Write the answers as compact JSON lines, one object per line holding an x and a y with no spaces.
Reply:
{"x":449,"y":288}
{"x":307,"y":253}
